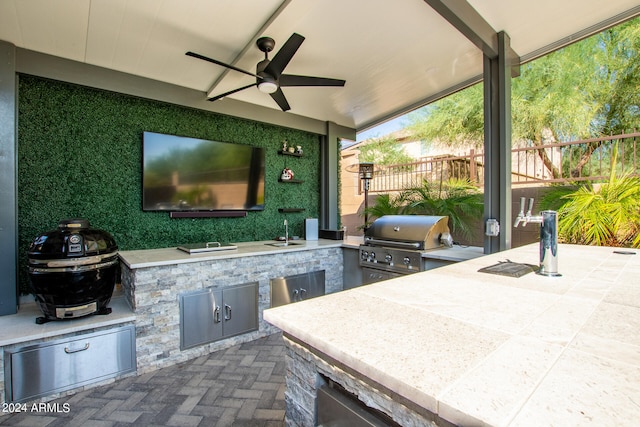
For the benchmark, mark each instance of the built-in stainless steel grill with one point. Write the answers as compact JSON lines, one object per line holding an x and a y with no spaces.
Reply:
{"x":394,"y":244}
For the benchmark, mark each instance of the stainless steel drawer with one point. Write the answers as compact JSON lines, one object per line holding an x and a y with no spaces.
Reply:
{"x":55,"y":366}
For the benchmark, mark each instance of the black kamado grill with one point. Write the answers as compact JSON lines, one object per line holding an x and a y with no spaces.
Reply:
{"x":72,"y":270}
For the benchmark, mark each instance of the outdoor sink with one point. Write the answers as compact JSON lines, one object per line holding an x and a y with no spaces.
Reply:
{"x":283,"y":244}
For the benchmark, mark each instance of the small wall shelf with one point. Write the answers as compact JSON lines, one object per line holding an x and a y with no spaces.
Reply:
{"x":286,"y":153}
{"x":290,"y":210}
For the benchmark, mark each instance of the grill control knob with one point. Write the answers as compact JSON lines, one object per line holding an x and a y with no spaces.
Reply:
{"x":406,"y":260}
{"x":388,"y":258}
{"x":373,"y":255}
{"x":364,"y":255}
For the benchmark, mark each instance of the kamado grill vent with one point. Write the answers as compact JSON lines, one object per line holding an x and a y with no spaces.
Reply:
{"x":72,"y":270}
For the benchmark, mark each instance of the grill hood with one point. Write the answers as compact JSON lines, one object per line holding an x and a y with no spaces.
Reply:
{"x":419,"y":232}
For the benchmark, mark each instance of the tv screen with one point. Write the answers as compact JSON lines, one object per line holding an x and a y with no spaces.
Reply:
{"x":188,"y":174}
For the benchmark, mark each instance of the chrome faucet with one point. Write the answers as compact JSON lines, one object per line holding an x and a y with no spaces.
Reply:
{"x":286,"y":232}
{"x":548,"y":221}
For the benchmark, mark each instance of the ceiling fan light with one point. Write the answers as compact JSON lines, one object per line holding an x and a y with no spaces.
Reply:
{"x":267,"y":87}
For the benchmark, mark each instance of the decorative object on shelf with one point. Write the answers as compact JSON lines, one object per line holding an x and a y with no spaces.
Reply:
{"x":284,"y":146}
{"x":291,"y":149}
{"x":299,"y":150}
{"x":287,"y":174}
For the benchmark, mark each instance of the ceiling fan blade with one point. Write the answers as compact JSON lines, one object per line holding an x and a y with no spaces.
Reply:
{"x":215,"y":61}
{"x":284,"y":55}
{"x":278,"y":96}
{"x":288,"y":80}
{"x":215,"y":98}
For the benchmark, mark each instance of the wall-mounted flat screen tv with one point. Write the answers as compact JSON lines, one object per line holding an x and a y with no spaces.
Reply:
{"x":188,"y":174}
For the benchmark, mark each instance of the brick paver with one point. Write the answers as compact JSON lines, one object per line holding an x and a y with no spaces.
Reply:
{"x":239,"y":386}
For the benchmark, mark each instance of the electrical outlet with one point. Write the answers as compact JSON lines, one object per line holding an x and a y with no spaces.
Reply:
{"x":492,"y":227}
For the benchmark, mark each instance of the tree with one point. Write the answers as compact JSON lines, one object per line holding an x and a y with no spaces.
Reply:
{"x":584,"y":90}
{"x":383,"y":151}
{"x":606,"y":214}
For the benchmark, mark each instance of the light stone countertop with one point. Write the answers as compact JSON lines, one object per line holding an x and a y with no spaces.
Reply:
{"x":483,"y":349}
{"x":168,"y":256}
{"x":22,"y":327}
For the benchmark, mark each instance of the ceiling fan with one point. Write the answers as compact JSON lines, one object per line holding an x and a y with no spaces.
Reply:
{"x":269,"y":77}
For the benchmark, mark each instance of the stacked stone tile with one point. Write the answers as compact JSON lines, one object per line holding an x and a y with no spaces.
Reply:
{"x":153,"y":293}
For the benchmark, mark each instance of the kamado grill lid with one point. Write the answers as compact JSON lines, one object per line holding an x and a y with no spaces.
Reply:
{"x":73,"y":238}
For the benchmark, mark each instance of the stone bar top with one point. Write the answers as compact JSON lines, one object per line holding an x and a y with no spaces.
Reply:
{"x":487,"y":350}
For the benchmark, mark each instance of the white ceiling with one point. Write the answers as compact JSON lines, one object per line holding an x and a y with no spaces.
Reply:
{"x":393,"y":54}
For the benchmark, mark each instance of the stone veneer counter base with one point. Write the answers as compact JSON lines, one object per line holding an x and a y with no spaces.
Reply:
{"x":454,"y":345}
{"x":154,"y":279}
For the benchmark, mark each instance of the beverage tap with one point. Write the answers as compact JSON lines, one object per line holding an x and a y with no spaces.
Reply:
{"x":548,"y":221}
{"x":523,"y":218}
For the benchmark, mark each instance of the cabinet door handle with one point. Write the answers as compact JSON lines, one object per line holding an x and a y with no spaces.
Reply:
{"x":227,"y":312}
{"x":216,"y":314}
{"x":296,"y":295}
{"x":303,"y":293}
{"x":68,"y":351}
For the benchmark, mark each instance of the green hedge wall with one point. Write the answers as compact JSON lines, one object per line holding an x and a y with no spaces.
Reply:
{"x":80,"y":155}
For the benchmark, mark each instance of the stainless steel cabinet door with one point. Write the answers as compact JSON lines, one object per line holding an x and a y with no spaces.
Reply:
{"x":285,"y":290}
{"x":210,"y":314}
{"x":240,"y":309}
{"x":352,"y":272}
{"x":200,"y":318}
{"x":315,"y":283}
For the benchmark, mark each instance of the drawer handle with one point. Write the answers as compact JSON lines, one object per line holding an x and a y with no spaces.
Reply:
{"x":68,"y":351}
{"x":227,"y":312}
{"x":216,"y":314}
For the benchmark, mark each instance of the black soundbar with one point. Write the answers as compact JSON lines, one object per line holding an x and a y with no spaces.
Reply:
{"x":208,"y":214}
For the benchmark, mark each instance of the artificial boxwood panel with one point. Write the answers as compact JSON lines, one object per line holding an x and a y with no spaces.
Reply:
{"x":80,"y":155}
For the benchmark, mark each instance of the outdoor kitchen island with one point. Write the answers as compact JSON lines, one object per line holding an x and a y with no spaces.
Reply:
{"x":454,"y":346}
